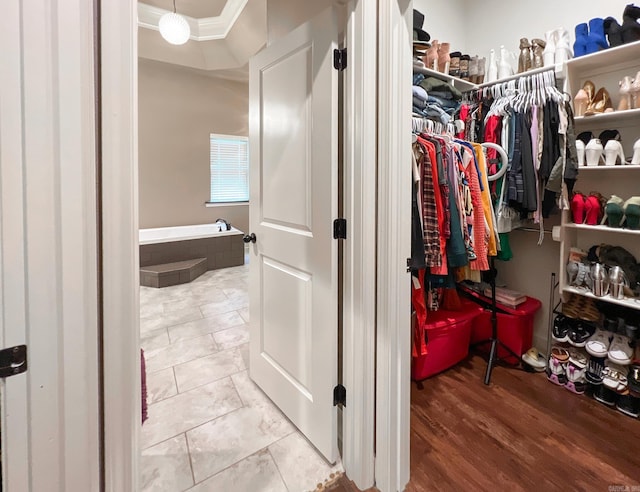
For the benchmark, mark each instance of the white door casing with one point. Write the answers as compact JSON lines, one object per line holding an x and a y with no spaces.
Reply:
{"x":293,"y":135}
{"x":48,"y":245}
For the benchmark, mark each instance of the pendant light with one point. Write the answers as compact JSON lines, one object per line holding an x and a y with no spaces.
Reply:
{"x":174,"y":28}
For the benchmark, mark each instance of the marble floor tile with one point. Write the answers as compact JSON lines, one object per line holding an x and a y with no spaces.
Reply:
{"x":165,"y":467}
{"x":169,"y":319}
{"x":150,"y":309}
{"x":300,"y":465}
{"x":179,"y":352}
{"x":257,"y":473}
{"x":206,"y":369}
{"x":234,"y":289}
{"x":182,"y":412}
{"x":228,"y":439}
{"x":244,"y":352}
{"x":161,"y":385}
{"x":220,"y":307}
{"x":251,"y":395}
{"x":194,"y":299}
{"x":200,"y":327}
{"x":155,"y":339}
{"x":232,"y":337}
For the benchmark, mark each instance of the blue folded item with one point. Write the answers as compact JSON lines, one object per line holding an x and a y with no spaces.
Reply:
{"x":419,"y":103}
{"x":444,"y":103}
{"x":434,"y":112}
{"x":417,"y":78}
{"x":420,"y":93}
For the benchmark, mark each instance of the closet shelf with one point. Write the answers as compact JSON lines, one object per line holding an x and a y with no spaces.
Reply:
{"x":626,"y":302}
{"x":627,"y":167}
{"x":625,"y":55}
{"x":460,"y":84}
{"x":602,"y":228}
{"x":606,"y":118}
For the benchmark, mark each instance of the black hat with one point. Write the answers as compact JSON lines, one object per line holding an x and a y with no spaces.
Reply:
{"x":418,"y":33}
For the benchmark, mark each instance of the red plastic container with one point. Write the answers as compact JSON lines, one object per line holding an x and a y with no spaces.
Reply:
{"x":449,"y":334}
{"x":515,"y":328}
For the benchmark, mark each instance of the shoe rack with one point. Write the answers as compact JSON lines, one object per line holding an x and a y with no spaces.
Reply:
{"x":605,"y":69}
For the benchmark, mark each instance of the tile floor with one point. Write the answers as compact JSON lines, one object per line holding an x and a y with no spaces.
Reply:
{"x":210,"y":428}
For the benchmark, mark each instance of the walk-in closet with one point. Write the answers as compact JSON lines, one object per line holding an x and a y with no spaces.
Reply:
{"x":525,"y":281}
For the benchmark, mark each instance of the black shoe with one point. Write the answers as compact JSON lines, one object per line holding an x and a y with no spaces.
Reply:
{"x":580,"y":333}
{"x":629,"y":405}
{"x":633,"y":379}
{"x":613,"y":30}
{"x":606,"y":396}
{"x":561,"y":325}
{"x":630,"y":27}
{"x":594,"y":370}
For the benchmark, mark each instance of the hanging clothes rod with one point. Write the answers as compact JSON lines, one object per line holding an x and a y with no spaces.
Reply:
{"x":533,"y":229}
{"x":518,"y":76}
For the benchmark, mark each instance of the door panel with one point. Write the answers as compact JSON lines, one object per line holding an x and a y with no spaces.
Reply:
{"x":294,"y":196}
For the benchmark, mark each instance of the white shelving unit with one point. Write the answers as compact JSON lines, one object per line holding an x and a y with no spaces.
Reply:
{"x":459,"y":84}
{"x":605,"y":69}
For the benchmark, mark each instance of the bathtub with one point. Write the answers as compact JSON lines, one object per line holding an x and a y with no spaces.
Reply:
{"x":161,"y":245}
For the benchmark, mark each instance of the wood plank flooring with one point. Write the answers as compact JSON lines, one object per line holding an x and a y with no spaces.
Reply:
{"x":522,"y":433}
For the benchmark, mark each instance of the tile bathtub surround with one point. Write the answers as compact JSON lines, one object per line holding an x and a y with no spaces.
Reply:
{"x":210,"y":428}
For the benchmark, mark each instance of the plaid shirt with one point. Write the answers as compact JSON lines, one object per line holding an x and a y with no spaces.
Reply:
{"x":430,"y":227}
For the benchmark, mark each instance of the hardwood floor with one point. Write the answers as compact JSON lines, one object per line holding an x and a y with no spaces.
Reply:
{"x":520,"y":433}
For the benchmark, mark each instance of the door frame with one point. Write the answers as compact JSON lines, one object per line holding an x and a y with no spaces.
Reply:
{"x":393,"y":382}
{"x":120,"y":259}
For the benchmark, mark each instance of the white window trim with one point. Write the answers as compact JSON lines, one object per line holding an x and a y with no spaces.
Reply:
{"x":225,"y":204}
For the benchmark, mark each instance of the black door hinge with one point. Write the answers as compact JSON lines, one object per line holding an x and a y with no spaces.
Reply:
{"x":340,"y":396}
{"x":340,"y":59}
{"x":13,"y":361}
{"x":340,"y":229}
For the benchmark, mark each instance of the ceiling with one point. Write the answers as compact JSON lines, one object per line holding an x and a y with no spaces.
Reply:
{"x":198,"y":9}
{"x":222,"y":42}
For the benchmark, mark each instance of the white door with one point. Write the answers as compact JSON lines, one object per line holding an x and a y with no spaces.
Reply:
{"x":293,"y":135}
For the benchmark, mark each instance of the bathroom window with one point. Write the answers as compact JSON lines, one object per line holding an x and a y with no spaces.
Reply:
{"x":229,"y":169}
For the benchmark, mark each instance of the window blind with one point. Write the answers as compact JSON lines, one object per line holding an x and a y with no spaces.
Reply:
{"x":229,"y":169}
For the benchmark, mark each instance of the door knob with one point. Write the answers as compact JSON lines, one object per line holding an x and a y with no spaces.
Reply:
{"x":249,"y":238}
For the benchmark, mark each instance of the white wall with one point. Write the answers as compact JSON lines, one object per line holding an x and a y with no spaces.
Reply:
{"x":446,"y":21}
{"x":512,"y":20}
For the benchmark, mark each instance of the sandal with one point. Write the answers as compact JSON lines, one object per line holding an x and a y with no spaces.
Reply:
{"x":578,"y":359}
{"x":632,"y":212}
{"x":533,"y":358}
{"x":614,"y":377}
{"x":560,"y":354}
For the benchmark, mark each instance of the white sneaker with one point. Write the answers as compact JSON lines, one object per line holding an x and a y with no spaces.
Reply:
{"x":620,"y":352}
{"x":598,"y":344}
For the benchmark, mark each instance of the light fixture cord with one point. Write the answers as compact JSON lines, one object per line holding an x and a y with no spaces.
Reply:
{"x":174,"y":6}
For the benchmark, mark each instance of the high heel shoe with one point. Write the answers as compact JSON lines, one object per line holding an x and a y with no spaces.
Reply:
{"x":635,"y":92}
{"x":635,"y":160}
{"x":443,"y":58}
{"x":613,"y":30}
{"x":593,"y":152}
{"x":580,"y":103}
{"x":549,"y":52}
{"x":612,"y":151}
{"x":601,"y":103}
{"x":590,"y":89}
{"x":596,"y":40}
{"x":431,"y":57}
{"x":582,"y":37}
{"x":524,"y":60}
{"x":630,"y":26}
{"x":537,"y":50}
{"x":580,"y":148}
{"x":632,"y":212}
{"x":563,"y":51}
{"x":577,"y":208}
{"x":625,"y":94}
{"x":504,"y":66}
{"x":593,"y":209}
{"x":492,"y":67}
{"x":614,"y":211}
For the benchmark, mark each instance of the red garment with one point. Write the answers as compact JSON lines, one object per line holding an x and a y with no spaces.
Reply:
{"x":419,"y":342}
{"x":464,"y":114}
{"x":492,"y":134}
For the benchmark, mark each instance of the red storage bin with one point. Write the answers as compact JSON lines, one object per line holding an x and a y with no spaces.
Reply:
{"x":449,"y":333}
{"x":515,"y":328}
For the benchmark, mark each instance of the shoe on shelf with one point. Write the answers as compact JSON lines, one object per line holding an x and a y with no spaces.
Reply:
{"x":630,"y":26}
{"x":595,"y":366}
{"x":605,"y":395}
{"x":556,"y":372}
{"x":593,"y":209}
{"x":492,"y":67}
{"x":633,"y":379}
{"x":632,"y":213}
{"x":549,"y":53}
{"x":473,"y":69}
{"x":537,"y":50}
{"x":613,"y":153}
{"x":620,"y":352}
{"x":481,"y":70}
{"x":431,"y":57}
{"x":629,"y":405}
{"x":563,"y":51}
{"x":579,"y":333}
{"x":582,"y":38}
{"x":464,"y":67}
{"x":635,"y":92}
{"x":585,"y":137}
{"x":600,"y":279}
{"x":596,"y":40}
{"x":524,"y":60}
{"x":444,"y":59}
{"x":504,"y":65}
{"x":635,"y":160}
{"x":613,"y":30}
{"x":560,"y":330}
{"x":601,"y":103}
{"x":625,"y":94}
{"x":454,"y":66}
{"x":614,"y":376}
{"x":580,"y":152}
{"x":614,"y":211}
{"x":577,"y":208}
{"x":607,"y":135}
{"x":593,"y":152}
{"x":578,"y":358}
{"x":598,"y":344}
{"x":580,"y":103}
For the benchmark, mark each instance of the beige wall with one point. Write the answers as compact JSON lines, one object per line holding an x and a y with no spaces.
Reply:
{"x":178,"y":109}
{"x":283,"y":16}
